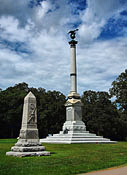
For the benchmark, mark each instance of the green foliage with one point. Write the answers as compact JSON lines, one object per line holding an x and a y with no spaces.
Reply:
{"x":11,"y":104}
{"x":64,"y":160}
{"x":100,"y":115}
{"x":119,"y":90}
{"x":51,"y":112}
{"x":50,"y":105}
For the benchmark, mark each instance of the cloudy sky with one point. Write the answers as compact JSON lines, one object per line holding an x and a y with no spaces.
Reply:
{"x":34,"y":43}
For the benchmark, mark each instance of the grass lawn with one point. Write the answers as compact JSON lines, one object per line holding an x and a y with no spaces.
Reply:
{"x":65,"y":160}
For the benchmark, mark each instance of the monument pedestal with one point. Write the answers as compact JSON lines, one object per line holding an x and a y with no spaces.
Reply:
{"x":74,"y":129}
{"x":28,"y":143}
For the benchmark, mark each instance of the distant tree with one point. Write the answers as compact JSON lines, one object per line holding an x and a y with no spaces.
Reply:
{"x":99,"y":114}
{"x":50,"y":110}
{"x":119,"y":91}
{"x":11,"y":104}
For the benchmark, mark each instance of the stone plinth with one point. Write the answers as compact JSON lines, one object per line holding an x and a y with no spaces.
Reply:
{"x":28,"y":143}
{"x":74,"y":129}
{"x":27,"y":154}
{"x":73,"y":116}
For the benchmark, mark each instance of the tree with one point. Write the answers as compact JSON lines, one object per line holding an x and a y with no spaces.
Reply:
{"x":11,"y":104}
{"x":50,"y":110}
{"x":99,"y":114}
{"x":119,"y":91}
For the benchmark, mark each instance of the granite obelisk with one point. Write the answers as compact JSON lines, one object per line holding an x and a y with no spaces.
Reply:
{"x":28,"y":143}
{"x":74,"y":129}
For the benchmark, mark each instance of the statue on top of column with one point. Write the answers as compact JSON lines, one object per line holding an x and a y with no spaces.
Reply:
{"x":72,"y":33}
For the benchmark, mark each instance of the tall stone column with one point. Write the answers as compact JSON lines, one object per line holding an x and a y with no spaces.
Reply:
{"x":73,"y":105}
{"x":73,"y":71}
{"x":74,"y":129}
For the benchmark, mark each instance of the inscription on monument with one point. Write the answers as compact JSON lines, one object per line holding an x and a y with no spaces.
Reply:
{"x":32,"y":134}
{"x":69,"y":114}
{"x":78,"y":113}
{"x":32,"y":111}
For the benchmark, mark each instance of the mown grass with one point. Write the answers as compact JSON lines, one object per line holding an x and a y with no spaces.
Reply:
{"x":65,"y":159}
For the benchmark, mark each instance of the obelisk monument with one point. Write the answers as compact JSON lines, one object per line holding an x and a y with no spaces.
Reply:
{"x":74,"y":129}
{"x":28,"y":143}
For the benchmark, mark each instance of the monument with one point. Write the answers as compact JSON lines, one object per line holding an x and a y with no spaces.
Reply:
{"x":74,"y":129}
{"x":28,"y":143}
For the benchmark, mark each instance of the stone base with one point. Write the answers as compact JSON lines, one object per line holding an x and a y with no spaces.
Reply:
{"x":28,"y":142}
{"x":76,"y":137}
{"x":74,"y":129}
{"x":28,"y":147}
{"x":74,"y":126}
{"x":75,"y":132}
{"x":25,"y":154}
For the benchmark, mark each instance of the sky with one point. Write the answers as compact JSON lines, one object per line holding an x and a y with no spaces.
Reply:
{"x":34,"y":43}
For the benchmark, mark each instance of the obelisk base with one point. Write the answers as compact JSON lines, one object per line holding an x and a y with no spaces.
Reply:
{"x":27,"y":154}
{"x":28,"y":147}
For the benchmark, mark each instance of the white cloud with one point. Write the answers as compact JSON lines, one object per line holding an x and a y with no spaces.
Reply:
{"x":43,"y":58}
{"x":101,"y":63}
{"x":96,"y":15}
{"x":10,"y":30}
{"x":18,"y":9}
{"x":43,"y":9}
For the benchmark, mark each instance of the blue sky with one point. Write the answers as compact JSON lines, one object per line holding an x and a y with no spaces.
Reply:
{"x":34,"y":43}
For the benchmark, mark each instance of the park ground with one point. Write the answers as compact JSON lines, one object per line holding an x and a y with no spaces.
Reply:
{"x":66,"y":159}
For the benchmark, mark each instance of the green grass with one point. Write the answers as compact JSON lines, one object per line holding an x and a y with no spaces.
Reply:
{"x":65,"y":160}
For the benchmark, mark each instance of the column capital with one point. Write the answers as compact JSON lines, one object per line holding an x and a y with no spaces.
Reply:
{"x":73,"y":95}
{"x":73,"y":43}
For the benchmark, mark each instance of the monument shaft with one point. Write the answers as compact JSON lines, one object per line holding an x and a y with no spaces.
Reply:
{"x":73,"y":74}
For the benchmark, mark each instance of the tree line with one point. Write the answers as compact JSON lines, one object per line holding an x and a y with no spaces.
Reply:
{"x":101,"y":115}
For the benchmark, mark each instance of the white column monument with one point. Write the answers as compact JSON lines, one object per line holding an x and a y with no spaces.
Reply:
{"x":28,"y":143}
{"x":74,"y":129}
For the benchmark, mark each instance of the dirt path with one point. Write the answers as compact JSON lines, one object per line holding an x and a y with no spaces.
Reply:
{"x":110,"y":171}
